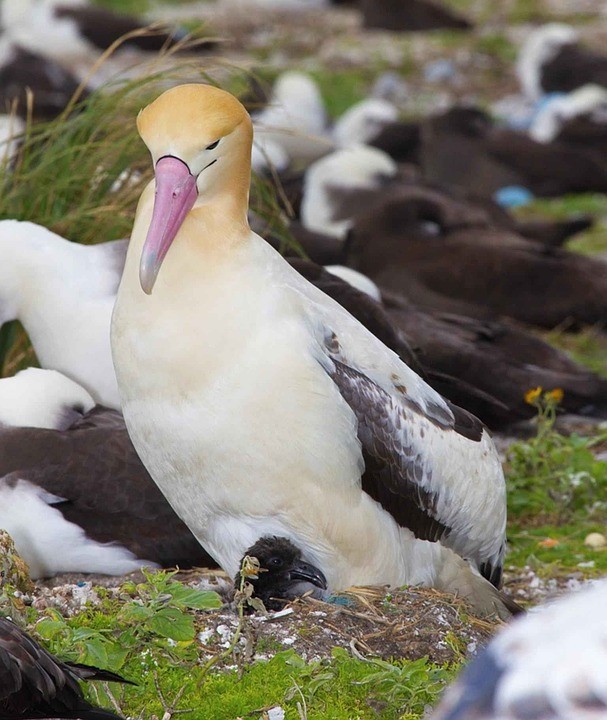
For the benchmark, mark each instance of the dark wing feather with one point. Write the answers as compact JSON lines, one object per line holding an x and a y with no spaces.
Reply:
{"x":111,"y":495}
{"x":393,"y":472}
{"x":34,"y":684}
{"x":392,"y":430}
{"x":30,"y":679}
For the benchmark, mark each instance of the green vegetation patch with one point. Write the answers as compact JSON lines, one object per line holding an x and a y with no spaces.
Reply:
{"x":556,"y":549}
{"x":588,"y":347}
{"x":155,"y":634}
{"x":553,"y":476}
{"x":557,"y":496}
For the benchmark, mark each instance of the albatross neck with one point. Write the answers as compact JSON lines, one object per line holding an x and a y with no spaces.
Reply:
{"x":223,"y":217}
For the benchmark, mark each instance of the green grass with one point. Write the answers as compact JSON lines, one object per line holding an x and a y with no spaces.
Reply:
{"x":340,"y":90}
{"x":527,"y":546}
{"x":135,"y":7}
{"x":553,"y":476}
{"x":496,"y":45}
{"x":588,"y":347}
{"x":148,"y":633}
{"x":557,"y":492}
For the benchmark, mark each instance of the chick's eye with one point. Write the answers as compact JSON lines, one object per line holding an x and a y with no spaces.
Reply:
{"x":212,"y":146}
{"x":274,"y":562}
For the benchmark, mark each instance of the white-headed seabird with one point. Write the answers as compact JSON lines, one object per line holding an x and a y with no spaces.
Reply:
{"x":261,"y":407}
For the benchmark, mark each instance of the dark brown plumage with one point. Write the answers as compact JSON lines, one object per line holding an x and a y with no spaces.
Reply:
{"x":487,"y":366}
{"x":571,"y":67}
{"x":102,"y":27}
{"x":463,"y":151}
{"x":410,"y":243}
{"x":51,"y":85}
{"x":411,"y":15}
{"x":553,"y":233}
{"x":483,"y":366}
{"x":586,"y":132}
{"x":318,"y":247}
{"x":34,"y":684}
{"x":107,"y":491}
{"x":401,"y":140}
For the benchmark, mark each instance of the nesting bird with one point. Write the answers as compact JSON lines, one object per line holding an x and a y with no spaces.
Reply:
{"x":415,"y":240}
{"x":553,"y":60}
{"x":293,"y":126}
{"x":73,"y":493}
{"x":74,"y":34}
{"x":63,"y":293}
{"x":260,"y":406}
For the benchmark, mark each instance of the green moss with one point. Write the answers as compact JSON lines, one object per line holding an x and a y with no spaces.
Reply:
{"x":527,"y":546}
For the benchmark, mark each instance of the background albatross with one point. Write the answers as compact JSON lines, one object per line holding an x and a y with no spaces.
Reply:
{"x":260,"y":406}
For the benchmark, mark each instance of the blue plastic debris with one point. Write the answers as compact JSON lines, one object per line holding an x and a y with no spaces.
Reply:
{"x":513,"y":196}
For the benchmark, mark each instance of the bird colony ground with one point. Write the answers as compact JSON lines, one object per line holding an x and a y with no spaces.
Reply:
{"x":372,"y":653}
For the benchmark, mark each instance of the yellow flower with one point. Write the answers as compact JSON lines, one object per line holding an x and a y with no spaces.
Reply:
{"x":555,"y":395}
{"x":532,"y":395}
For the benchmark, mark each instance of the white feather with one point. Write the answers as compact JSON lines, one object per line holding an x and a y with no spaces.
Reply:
{"x":540,"y":47}
{"x":356,"y":279}
{"x":50,"y":544}
{"x":295,"y":118}
{"x":268,"y":155}
{"x":358,"y":166}
{"x":63,"y":294}
{"x":551,"y":663}
{"x":11,"y":130}
{"x":551,"y":118}
{"x":40,"y":398}
{"x":363,"y":121}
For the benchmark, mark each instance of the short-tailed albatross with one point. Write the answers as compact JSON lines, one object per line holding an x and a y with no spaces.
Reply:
{"x":261,"y":407}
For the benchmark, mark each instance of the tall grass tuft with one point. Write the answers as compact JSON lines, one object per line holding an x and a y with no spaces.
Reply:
{"x":81,"y":174}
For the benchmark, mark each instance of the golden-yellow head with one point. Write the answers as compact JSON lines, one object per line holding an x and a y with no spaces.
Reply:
{"x":200,"y":140}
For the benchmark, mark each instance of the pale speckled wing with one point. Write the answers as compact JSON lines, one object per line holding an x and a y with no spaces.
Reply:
{"x":431,"y":465}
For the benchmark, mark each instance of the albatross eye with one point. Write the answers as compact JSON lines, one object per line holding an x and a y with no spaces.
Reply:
{"x":274,"y":562}
{"x":212,"y":146}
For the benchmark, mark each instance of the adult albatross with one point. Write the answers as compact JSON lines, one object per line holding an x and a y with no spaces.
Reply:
{"x":262,"y":407}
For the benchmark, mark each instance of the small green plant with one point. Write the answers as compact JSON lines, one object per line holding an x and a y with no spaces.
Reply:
{"x":155,"y":612}
{"x":551,"y":475}
{"x":410,"y":686}
{"x":406,"y":687}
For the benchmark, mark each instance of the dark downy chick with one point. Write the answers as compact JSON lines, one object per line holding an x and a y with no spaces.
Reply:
{"x":283,"y":575}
